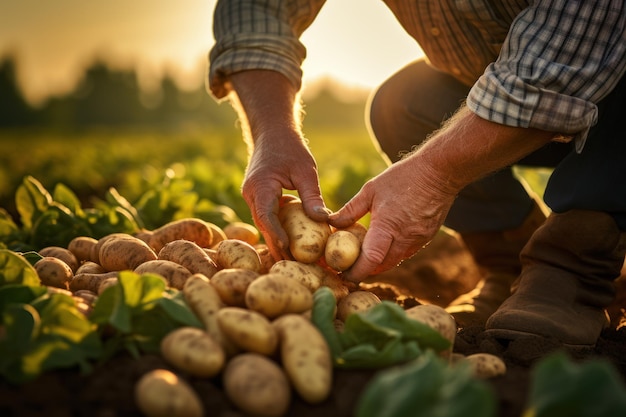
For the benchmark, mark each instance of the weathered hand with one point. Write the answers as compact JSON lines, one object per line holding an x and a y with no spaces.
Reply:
{"x":407,"y":206}
{"x":277,"y":163}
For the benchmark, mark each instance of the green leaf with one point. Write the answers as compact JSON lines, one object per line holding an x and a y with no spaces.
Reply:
{"x":115,"y":198}
{"x":426,"y":387}
{"x":31,"y":200}
{"x":322,"y":316}
{"x":111,"y":309}
{"x":19,"y":294}
{"x":15,"y":269}
{"x":65,"y":196}
{"x":57,"y":226}
{"x":21,"y":326}
{"x":178,"y":310}
{"x":562,"y":388}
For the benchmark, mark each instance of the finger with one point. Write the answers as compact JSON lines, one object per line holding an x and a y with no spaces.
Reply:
{"x":313,"y":203}
{"x":352,"y":211}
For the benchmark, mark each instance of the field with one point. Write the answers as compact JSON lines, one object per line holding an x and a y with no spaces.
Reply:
{"x":197,"y":173}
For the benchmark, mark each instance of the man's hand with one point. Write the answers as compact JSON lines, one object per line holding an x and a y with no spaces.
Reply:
{"x":279,"y":157}
{"x":407,"y":205}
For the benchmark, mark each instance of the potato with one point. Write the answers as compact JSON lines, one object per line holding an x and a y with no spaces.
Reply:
{"x":437,"y":318}
{"x":81,"y":247}
{"x":232,"y":283}
{"x":267,"y":260}
{"x":248,"y":330}
{"x":195,"y":230}
{"x":54,"y":272}
{"x":161,"y":393}
{"x":174,"y":274}
{"x":486,"y":365}
{"x":193,"y":351}
{"x":233,"y":253}
{"x":306,"y":357}
{"x":342,"y":250}
{"x":190,"y":255}
{"x":276,"y":294}
{"x":94,"y":255}
{"x":106,"y":283}
{"x":257,"y":385}
{"x":218,"y":233}
{"x":306,"y":274}
{"x":242,"y":231}
{"x":89,"y":267}
{"x":124,"y":252}
{"x":307,"y":238}
{"x":356,"y":301}
{"x":337,"y":285}
{"x":205,"y":302}
{"x":89,"y":282}
{"x":86,"y":295}
{"x":63,"y":254}
{"x":356,"y":229}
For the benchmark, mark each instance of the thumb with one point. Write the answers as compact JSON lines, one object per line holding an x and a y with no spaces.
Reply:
{"x":352,"y":211}
{"x":313,"y":204}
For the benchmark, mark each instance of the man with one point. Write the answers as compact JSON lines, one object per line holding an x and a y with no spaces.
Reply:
{"x":537,"y":82}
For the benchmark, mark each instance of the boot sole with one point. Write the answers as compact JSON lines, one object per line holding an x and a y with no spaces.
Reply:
{"x":504,"y":335}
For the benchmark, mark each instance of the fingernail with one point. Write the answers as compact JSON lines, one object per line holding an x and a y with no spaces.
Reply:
{"x":322,"y":210}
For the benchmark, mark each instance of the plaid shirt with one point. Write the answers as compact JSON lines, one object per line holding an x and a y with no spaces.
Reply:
{"x":539,"y":64}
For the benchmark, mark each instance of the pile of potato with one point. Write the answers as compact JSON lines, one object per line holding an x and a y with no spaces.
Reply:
{"x":257,"y":336}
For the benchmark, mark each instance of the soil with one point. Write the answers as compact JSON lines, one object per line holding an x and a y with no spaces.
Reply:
{"x":436,"y":275}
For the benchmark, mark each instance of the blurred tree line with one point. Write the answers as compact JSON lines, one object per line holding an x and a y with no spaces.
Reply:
{"x":112,"y":97}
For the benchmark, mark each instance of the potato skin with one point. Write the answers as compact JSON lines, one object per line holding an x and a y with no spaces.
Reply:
{"x":63,"y":254}
{"x":190,"y":255}
{"x":161,"y":393}
{"x":242,"y":231}
{"x":194,"y":351}
{"x":308,"y":275}
{"x":248,"y":330}
{"x":205,"y":302}
{"x":355,"y":302}
{"x":174,"y":274}
{"x":195,"y":230}
{"x":232,"y":283}
{"x":124,"y":252}
{"x":89,"y":282}
{"x":89,"y":267}
{"x":486,"y":365}
{"x":54,"y":272}
{"x":307,"y":238}
{"x":342,"y":250}
{"x":233,"y":253}
{"x":436,"y":317}
{"x":257,"y":385}
{"x":274,"y":294}
{"x":81,"y":247}
{"x":306,"y":357}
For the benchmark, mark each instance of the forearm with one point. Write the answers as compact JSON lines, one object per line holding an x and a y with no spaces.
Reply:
{"x":266,"y":103}
{"x":468,"y":148}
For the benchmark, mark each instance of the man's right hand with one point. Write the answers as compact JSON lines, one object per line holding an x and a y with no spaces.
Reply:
{"x":279,"y":156}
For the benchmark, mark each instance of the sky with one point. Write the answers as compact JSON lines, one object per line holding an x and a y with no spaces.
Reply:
{"x":356,"y":42}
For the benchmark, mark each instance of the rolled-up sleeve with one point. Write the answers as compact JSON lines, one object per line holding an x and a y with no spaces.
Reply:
{"x":559,"y":59}
{"x":263,"y":35}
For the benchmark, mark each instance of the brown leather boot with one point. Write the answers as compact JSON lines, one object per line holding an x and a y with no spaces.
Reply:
{"x":497,"y":257}
{"x":567,"y":280}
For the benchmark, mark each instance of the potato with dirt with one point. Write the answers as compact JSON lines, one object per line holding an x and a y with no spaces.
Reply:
{"x":242,"y":231}
{"x":82,"y":247}
{"x":174,"y":274}
{"x":485,"y":365}
{"x":437,"y":318}
{"x":342,"y":250}
{"x":124,"y":252}
{"x":257,"y":385}
{"x":90,"y":281}
{"x":248,"y":330}
{"x":274,"y":294}
{"x":190,"y":255}
{"x":307,"y":237}
{"x":54,"y":272}
{"x":356,"y":301}
{"x":308,"y":275}
{"x":233,"y":253}
{"x":63,"y":254}
{"x":232,"y":283}
{"x":161,"y":393}
{"x":205,"y":302}
{"x":193,"y":351}
{"x":192,"y":229}
{"x":306,"y":357}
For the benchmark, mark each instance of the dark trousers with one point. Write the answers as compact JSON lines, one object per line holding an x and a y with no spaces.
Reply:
{"x":414,"y":102}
